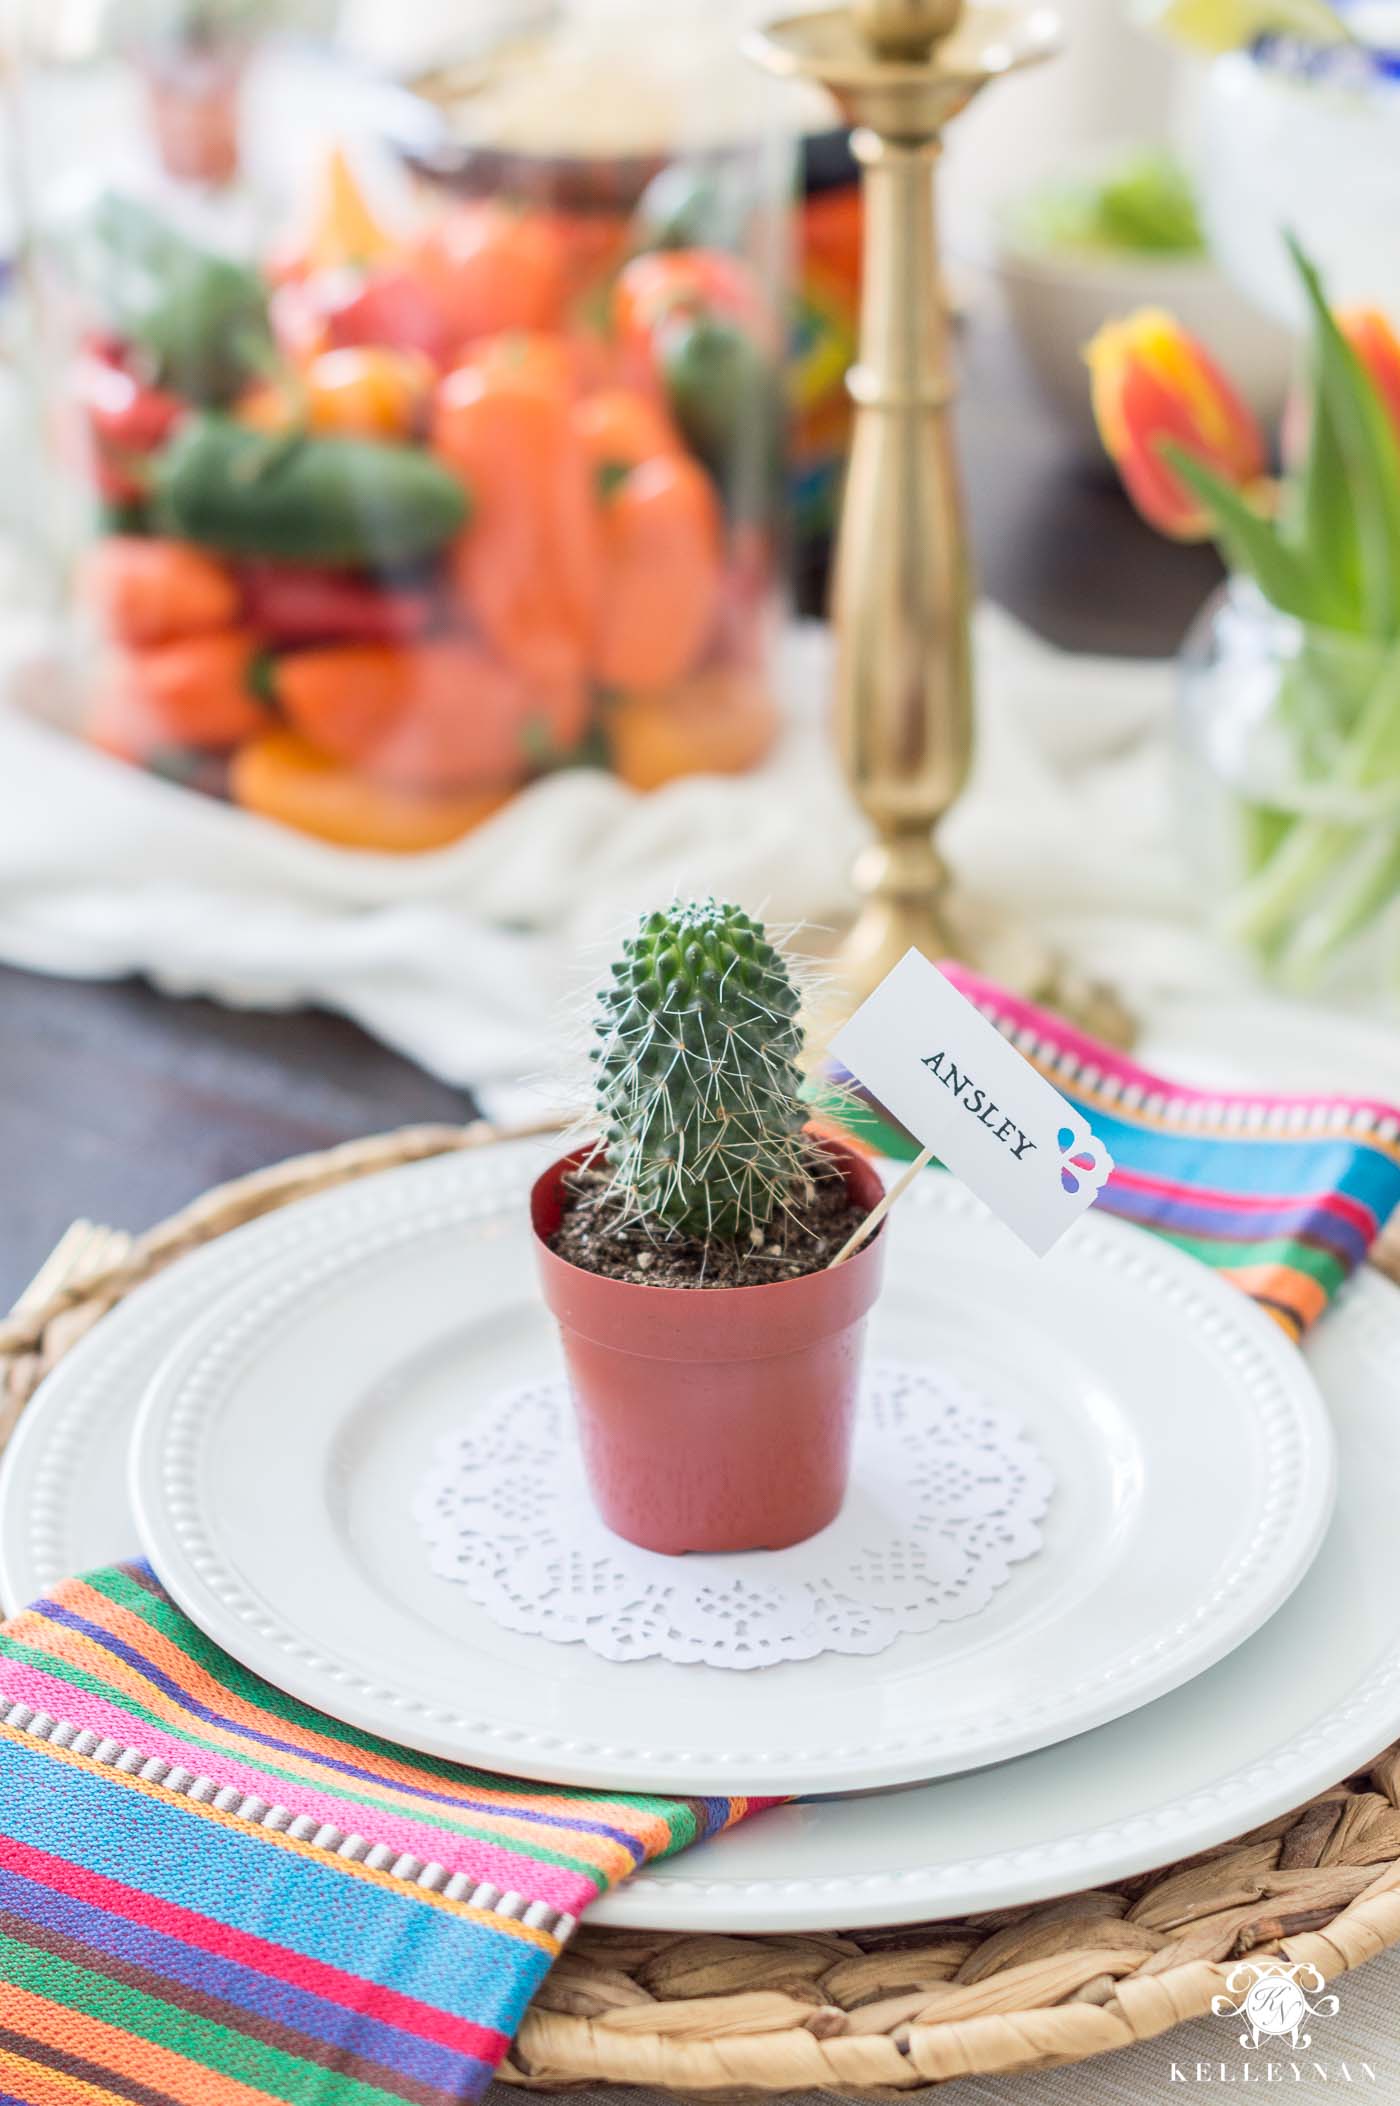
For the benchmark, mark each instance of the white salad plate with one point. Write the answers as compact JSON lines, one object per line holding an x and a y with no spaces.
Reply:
{"x":1308,"y":1699}
{"x":275,"y":1460}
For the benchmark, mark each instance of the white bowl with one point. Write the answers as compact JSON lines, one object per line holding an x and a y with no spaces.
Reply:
{"x":1057,"y":299}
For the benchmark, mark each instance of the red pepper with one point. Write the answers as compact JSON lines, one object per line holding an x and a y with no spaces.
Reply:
{"x":121,"y":411}
{"x":295,"y":603}
{"x":657,"y":287}
{"x":392,"y":308}
{"x":299,"y":311}
{"x":120,"y":491}
{"x":126,"y":421}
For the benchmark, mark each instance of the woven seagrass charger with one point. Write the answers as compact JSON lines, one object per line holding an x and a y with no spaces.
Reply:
{"x":865,"y":2013}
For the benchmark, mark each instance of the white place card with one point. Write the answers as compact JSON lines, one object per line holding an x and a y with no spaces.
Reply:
{"x":938,"y":1066}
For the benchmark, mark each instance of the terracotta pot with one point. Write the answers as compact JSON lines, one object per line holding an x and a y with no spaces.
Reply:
{"x":713,"y":1418}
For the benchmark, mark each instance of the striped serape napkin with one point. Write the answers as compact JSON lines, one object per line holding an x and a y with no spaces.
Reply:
{"x":211,"y":1895}
{"x":1284,"y":1195}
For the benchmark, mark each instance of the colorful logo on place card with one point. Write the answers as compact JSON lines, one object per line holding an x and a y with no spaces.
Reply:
{"x":1086,"y":1163}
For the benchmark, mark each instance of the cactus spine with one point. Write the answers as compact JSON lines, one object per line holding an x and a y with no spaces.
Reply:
{"x":697,"y":1083}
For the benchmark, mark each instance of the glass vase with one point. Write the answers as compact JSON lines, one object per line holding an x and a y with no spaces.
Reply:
{"x":418,"y":452}
{"x":1290,"y":774}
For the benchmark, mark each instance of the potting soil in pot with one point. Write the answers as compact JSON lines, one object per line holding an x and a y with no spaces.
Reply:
{"x":804,"y":1236}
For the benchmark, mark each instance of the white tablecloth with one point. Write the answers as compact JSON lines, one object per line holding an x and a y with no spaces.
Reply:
{"x":473,"y":960}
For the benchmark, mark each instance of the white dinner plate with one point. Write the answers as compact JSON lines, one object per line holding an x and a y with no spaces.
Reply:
{"x":1305,"y":1701}
{"x":279,"y":1448}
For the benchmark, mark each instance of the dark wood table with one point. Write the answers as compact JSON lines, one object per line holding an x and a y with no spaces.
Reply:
{"x":119,"y":1104}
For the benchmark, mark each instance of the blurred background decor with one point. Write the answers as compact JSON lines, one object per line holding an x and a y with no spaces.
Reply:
{"x":1299,"y":129}
{"x":1291,"y":686}
{"x":191,"y":57}
{"x":1118,"y":231}
{"x":901,"y":592}
{"x":427,"y":468}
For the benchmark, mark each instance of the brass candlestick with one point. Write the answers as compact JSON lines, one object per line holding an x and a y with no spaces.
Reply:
{"x":900,"y":70}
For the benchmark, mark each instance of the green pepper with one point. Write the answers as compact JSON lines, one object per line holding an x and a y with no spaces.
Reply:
{"x":347,"y":502}
{"x":121,"y":515}
{"x":198,"y":319}
{"x":727,"y":399}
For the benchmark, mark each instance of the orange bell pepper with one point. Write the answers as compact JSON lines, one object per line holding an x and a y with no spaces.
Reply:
{"x":197,"y":692}
{"x":526,"y":359}
{"x":153,"y":592}
{"x":662,"y":573}
{"x":195,"y":695}
{"x":489,"y":269}
{"x":526,"y":566}
{"x":377,"y":394}
{"x":620,"y":428}
{"x":722,"y":722}
{"x":356,"y":392}
{"x":432,"y":716}
{"x":280,"y":776}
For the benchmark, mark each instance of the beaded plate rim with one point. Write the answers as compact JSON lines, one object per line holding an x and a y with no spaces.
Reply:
{"x":454,"y":1194}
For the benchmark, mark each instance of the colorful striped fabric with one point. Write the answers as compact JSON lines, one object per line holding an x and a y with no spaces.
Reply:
{"x":211,"y":1895}
{"x":1284,"y":1195}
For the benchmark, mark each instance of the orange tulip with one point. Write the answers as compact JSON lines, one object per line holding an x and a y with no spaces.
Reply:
{"x":1375,"y":343}
{"x":1155,"y":386}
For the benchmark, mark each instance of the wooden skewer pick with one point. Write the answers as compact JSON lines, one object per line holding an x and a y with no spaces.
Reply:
{"x":877,"y":1213}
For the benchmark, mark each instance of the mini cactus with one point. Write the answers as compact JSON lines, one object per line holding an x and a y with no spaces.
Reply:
{"x":697,"y":1084}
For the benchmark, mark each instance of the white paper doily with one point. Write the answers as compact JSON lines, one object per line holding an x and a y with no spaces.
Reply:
{"x":946,"y":1495}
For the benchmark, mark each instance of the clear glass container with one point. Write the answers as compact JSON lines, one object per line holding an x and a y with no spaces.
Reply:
{"x":1290,"y":779}
{"x":420,"y":442}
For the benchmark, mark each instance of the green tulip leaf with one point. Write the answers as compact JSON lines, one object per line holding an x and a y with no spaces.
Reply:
{"x":1368,"y":452}
{"x":1323,"y":523}
{"x":1248,"y":541}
